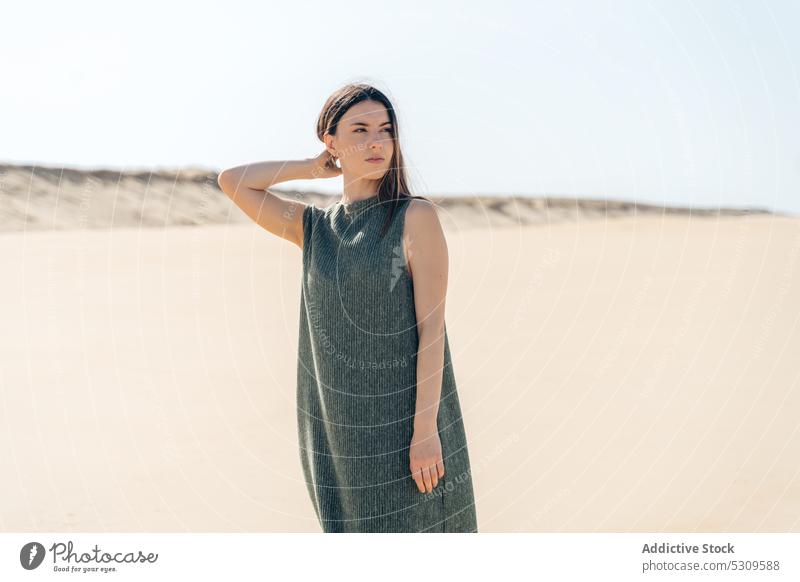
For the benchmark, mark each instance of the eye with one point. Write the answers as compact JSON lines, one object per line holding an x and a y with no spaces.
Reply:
{"x":388,"y":129}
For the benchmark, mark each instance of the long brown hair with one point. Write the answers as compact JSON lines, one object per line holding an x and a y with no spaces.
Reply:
{"x":393,"y":187}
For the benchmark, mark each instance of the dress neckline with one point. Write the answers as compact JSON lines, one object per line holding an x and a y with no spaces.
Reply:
{"x":358,"y":204}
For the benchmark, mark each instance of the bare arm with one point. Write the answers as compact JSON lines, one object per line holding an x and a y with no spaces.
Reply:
{"x":247,"y":186}
{"x":428,"y":263}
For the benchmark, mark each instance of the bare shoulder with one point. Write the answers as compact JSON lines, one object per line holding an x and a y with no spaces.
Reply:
{"x":421,"y":218}
{"x":422,"y":230}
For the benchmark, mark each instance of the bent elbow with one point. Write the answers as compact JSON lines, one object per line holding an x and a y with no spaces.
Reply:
{"x":224,"y":181}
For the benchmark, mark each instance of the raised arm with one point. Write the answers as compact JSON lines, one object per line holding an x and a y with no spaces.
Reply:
{"x":247,"y":186}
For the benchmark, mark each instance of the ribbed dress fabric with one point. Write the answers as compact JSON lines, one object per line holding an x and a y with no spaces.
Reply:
{"x":356,"y":381}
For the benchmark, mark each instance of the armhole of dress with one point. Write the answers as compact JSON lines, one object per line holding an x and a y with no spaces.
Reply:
{"x":308,"y":227}
{"x":401,"y":227}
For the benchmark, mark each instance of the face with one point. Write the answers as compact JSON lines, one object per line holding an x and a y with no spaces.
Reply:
{"x":364,"y":131}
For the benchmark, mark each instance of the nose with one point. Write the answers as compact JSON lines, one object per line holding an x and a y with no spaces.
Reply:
{"x":376,"y":143}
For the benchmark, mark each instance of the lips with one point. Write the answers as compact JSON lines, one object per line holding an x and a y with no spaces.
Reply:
{"x":374,"y":159}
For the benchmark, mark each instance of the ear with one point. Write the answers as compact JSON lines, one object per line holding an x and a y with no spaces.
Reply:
{"x":329,"y":144}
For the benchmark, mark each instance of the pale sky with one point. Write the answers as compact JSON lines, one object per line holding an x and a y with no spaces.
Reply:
{"x":672,"y":101}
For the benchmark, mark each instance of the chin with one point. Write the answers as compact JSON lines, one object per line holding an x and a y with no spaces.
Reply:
{"x":375,"y":174}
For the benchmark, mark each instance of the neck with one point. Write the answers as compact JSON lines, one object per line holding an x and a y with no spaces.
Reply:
{"x":358,"y":188}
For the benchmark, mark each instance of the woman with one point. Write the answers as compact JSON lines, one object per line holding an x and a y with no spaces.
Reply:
{"x":383,"y":446}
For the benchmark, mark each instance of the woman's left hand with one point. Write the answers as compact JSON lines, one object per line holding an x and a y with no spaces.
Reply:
{"x":426,"y":463}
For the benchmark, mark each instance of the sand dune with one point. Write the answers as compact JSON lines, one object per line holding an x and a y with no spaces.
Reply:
{"x":45,"y":198}
{"x":634,"y":374}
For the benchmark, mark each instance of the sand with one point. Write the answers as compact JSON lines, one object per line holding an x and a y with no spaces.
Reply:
{"x":617,"y":373}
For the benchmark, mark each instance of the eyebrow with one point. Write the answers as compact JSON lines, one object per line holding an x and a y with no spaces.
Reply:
{"x":367,"y":124}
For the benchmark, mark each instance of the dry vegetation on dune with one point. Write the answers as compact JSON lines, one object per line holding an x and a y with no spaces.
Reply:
{"x":54,"y":198}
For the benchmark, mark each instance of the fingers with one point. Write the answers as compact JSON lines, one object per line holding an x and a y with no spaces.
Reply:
{"x":417,"y":476}
{"x":427,"y":478}
{"x":426,"y":462}
{"x":434,"y":476}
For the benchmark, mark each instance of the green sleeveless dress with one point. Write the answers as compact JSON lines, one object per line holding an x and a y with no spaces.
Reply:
{"x":356,"y":381}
